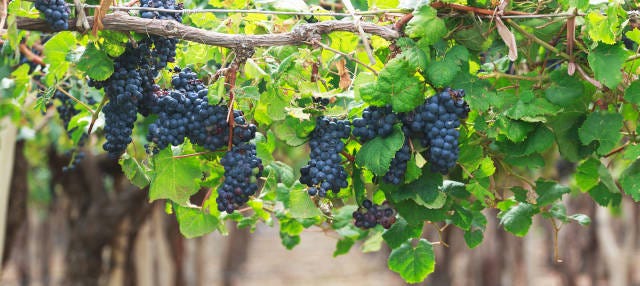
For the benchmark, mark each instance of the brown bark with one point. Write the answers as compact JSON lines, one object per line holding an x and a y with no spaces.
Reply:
{"x":300,"y":35}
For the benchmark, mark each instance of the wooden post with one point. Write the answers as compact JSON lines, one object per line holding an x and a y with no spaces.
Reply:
{"x":8,"y":133}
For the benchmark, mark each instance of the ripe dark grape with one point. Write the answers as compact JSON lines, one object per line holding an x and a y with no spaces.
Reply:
{"x":398,"y":166}
{"x":241,"y":171}
{"x":369,"y":215}
{"x":125,"y":90}
{"x":185,"y":112}
{"x":324,"y":171}
{"x":435,"y":123}
{"x":375,"y":121}
{"x":56,"y":13}
{"x":164,"y":49}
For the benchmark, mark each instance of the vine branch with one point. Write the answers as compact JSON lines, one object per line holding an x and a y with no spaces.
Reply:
{"x":167,"y":28}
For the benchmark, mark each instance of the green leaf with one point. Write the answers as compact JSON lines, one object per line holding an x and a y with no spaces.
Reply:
{"x":606,"y":62}
{"x":602,"y":195}
{"x":581,"y":219}
{"x":602,"y":28}
{"x":532,"y":111}
{"x":343,"y":246}
{"x":462,"y":217}
{"x":441,"y":73}
{"x":413,"y":264}
{"x":603,"y":127}
{"x":632,"y":93}
{"x":564,"y":90}
{"x":587,"y":174}
{"x":373,"y":243}
{"x":359,"y":189}
{"x":565,"y":128}
{"x":400,"y":232}
{"x":289,"y":241}
{"x":376,"y":155}
{"x":630,"y":180}
{"x":300,"y":203}
{"x":135,"y":172}
{"x":56,"y":50}
{"x":424,"y":191}
{"x":473,"y":238}
{"x":95,"y":63}
{"x":518,"y":219}
{"x":426,"y":25}
{"x":194,"y":222}
{"x":549,"y":192}
{"x":174,"y":179}
{"x":416,"y":214}
{"x":397,"y":80}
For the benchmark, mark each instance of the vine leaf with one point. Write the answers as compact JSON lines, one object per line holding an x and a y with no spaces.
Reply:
{"x":602,"y":127}
{"x":630,"y":180}
{"x":174,"y":179}
{"x":135,"y":172}
{"x":376,"y":155}
{"x":632,"y":93}
{"x":603,"y":28}
{"x":95,"y":63}
{"x":400,"y":86}
{"x":400,"y":232}
{"x":413,"y":263}
{"x":426,"y":25}
{"x":549,"y":192}
{"x":518,"y":219}
{"x":300,"y":203}
{"x":195,"y":222}
{"x":56,"y":50}
{"x":606,"y":62}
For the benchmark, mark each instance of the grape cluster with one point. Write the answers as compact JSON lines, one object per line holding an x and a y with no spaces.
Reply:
{"x":375,"y":121}
{"x":164,"y":49}
{"x":56,"y":13}
{"x":324,"y":171}
{"x":185,"y":112}
{"x":241,"y":170}
{"x":125,"y":89}
{"x":75,"y":160}
{"x":398,"y":166}
{"x":369,"y":215}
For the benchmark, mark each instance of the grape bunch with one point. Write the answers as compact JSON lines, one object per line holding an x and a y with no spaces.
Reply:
{"x":398,"y":166}
{"x":369,"y":215}
{"x":375,"y":121}
{"x":435,"y":122}
{"x":125,"y":90}
{"x":56,"y":13}
{"x":66,"y":109}
{"x":324,"y":171}
{"x":185,"y":112}
{"x":242,"y":168}
{"x":164,"y":49}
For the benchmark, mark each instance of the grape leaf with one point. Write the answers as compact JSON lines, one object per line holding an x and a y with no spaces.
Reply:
{"x":632,"y":93}
{"x":565,"y":128}
{"x":56,"y":50}
{"x":587,"y":174}
{"x":135,"y":172}
{"x":518,"y":219}
{"x":343,"y":246}
{"x":602,"y":127}
{"x":441,"y":73}
{"x":174,"y":179}
{"x":413,"y":263}
{"x":194,"y":222}
{"x":400,"y":232}
{"x":565,"y":90}
{"x":473,"y":238}
{"x":630,"y":180}
{"x":403,"y":88}
{"x":95,"y":63}
{"x":549,"y":192}
{"x":606,"y":62}
{"x":603,"y":28}
{"x":426,"y":25}
{"x":300,"y":203}
{"x":602,"y":195}
{"x":376,"y":155}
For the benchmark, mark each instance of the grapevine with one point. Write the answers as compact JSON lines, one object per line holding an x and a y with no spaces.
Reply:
{"x":368,"y":123}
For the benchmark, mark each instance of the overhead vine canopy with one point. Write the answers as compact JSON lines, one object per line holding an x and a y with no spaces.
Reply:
{"x":366,"y":118}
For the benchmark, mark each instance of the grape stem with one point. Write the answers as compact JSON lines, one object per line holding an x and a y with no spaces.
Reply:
{"x":88,"y":108}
